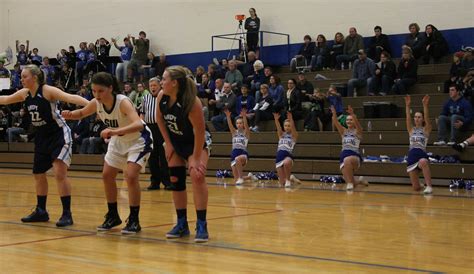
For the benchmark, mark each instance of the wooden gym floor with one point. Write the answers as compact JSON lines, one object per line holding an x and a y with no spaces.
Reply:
{"x":258,"y":228}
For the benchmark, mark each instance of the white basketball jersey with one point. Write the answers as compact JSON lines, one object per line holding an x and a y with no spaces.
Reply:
{"x":115,"y":118}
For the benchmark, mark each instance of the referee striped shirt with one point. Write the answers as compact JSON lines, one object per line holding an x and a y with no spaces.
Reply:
{"x":148,"y":109}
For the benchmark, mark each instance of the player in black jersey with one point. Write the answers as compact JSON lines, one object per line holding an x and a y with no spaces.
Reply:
{"x":53,"y":141}
{"x":181,"y":123}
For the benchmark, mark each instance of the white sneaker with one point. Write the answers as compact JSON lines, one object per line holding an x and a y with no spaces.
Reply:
{"x":363,"y":181}
{"x":287,"y":183}
{"x":294,"y":179}
{"x":252,"y":177}
{"x":349,"y":186}
{"x":450,"y":143}
{"x":24,"y":138}
{"x":239,"y":182}
{"x":439,"y":143}
{"x":428,"y":190}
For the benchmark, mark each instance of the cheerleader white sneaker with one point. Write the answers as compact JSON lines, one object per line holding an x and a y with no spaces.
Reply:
{"x":428,"y":190}
{"x":349,"y":186}
{"x":294,"y":179}
{"x":288,"y":183}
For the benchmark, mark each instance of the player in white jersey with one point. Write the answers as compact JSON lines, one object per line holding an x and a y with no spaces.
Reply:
{"x":240,"y":139}
{"x":286,"y":143}
{"x":129,"y":146}
{"x":419,"y":134}
{"x":349,"y":160}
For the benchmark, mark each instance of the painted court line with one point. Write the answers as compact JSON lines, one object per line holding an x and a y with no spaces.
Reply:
{"x":247,"y":250}
{"x":45,"y":240}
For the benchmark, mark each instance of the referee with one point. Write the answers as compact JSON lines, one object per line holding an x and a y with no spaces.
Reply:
{"x":157,"y":161}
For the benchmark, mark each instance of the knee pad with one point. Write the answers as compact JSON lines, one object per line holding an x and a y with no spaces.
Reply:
{"x":178,"y":178}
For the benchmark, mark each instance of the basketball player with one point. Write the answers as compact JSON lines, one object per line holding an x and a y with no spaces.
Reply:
{"x":181,"y":123}
{"x":53,"y":141}
{"x":419,"y":134}
{"x":129,"y":147}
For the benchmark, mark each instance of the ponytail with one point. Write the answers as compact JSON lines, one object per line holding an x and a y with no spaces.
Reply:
{"x":187,"y":90}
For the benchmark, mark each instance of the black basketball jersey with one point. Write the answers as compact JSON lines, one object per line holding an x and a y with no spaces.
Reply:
{"x":45,"y":115}
{"x":177,"y":122}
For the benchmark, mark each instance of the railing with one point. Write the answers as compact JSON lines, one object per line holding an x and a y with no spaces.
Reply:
{"x":264,"y":55}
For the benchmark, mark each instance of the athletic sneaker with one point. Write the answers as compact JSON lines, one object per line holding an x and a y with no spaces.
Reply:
{"x":132,"y":227}
{"x":288,"y":183}
{"x":459,"y":147}
{"x":349,"y":186}
{"x":202,"y":235}
{"x":294,"y":179}
{"x":110,"y":222}
{"x":239,"y":182}
{"x":363,"y":181}
{"x":65,"y":220}
{"x":38,"y":215}
{"x":252,"y":177}
{"x":451,"y":143}
{"x":428,"y":190}
{"x":439,"y":143}
{"x":181,"y":229}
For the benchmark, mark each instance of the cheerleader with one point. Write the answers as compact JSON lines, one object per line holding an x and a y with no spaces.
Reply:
{"x":129,"y":147}
{"x":240,"y":139}
{"x":349,"y":160}
{"x":419,"y":134}
{"x":286,"y":144}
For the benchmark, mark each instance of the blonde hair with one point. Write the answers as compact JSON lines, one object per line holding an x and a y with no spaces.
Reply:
{"x":36,"y":71}
{"x":187,"y":90}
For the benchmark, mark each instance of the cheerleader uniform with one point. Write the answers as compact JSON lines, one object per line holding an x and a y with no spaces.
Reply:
{"x":418,"y":142}
{"x":239,"y":146}
{"x":133,"y":147}
{"x":350,"y":146}
{"x":286,"y":145}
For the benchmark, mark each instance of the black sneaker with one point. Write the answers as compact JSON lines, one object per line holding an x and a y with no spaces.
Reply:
{"x":38,"y":215}
{"x":65,"y":220}
{"x":153,"y":186}
{"x":132,"y":227}
{"x":110,"y":222}
{"x":458,"y":147}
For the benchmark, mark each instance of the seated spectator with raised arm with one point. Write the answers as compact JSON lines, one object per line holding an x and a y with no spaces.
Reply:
{"x":226,"y":100}
{"x":455,"y":117}
{"x":378,"y":43}
{"x":22,"y":52}
{"x":363,"y":74}
{"x":304,"y":53}
{"x":121,"y":72}
{"x":352,"y":44}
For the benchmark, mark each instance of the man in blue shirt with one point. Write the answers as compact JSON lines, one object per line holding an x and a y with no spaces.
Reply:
{"x":363,"y":73}
{"x":22,"y":52}
{"x":121,"y":72}
{"x":455,"y":116}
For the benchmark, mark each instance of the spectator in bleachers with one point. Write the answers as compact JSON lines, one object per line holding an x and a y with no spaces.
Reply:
{"x":34,"y":57}
{"x":306,"y":90}
{"x":4,"y":123}
{"x":139,"y":55}
{"x":335,"y":100}
{"x":214,"y":73}
{"x":363,"y":74}
{"x":468,"y":61}
{"x":276,"y":91}
{"x":127,"y":89}
{"x":81,"y":61}
{"x":71,"y":57}
{"x":407,"y":72}
{"x":316,"y":116}
{"x":103,"y":49}
{"x":385,"y":74}
{"x":92,"y":143}
{"x":245,"y":100}
{"x":226,"y":101}
{"x":268,"y":72}
{"x":80,"y":131}
{"x":416,"y":40}
{"x":292,"y":101}
{"x":22,"y":52}
{"x":320,"y":54}
{"x":206,"y":94}
{"x":304,"y":54}
{"x":84,"y":93}
{"x":49,"y":71}
{"x":62,"y":57}
{"x":336,"y":50}
{"x":436,"y":45}
{"x":258,"y":76}
{"x":91,"y":64}
{"x":149,"y":67}
{"x":252,"y":26}
{"x":377,"y":44}
{"x":16,"y":77}
{"x":161,"y":65}
{"x":468,"y":86}
{"x":121,"y":72}
{"x":219,"y":91}
{"x":455,"y":116}
{"x":4,"y":73}
{"x":234,"y":77}
{"x":455,"y":72}
{"x":464,"y":144}
{"x":137,"y":96}
{"x":246,"y":68}
{"x":20,"y":126}
{"x":352,"y":44}
{"x":66,"y":78}
{"x":263,"y":109}
{"x":198,"y":75}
